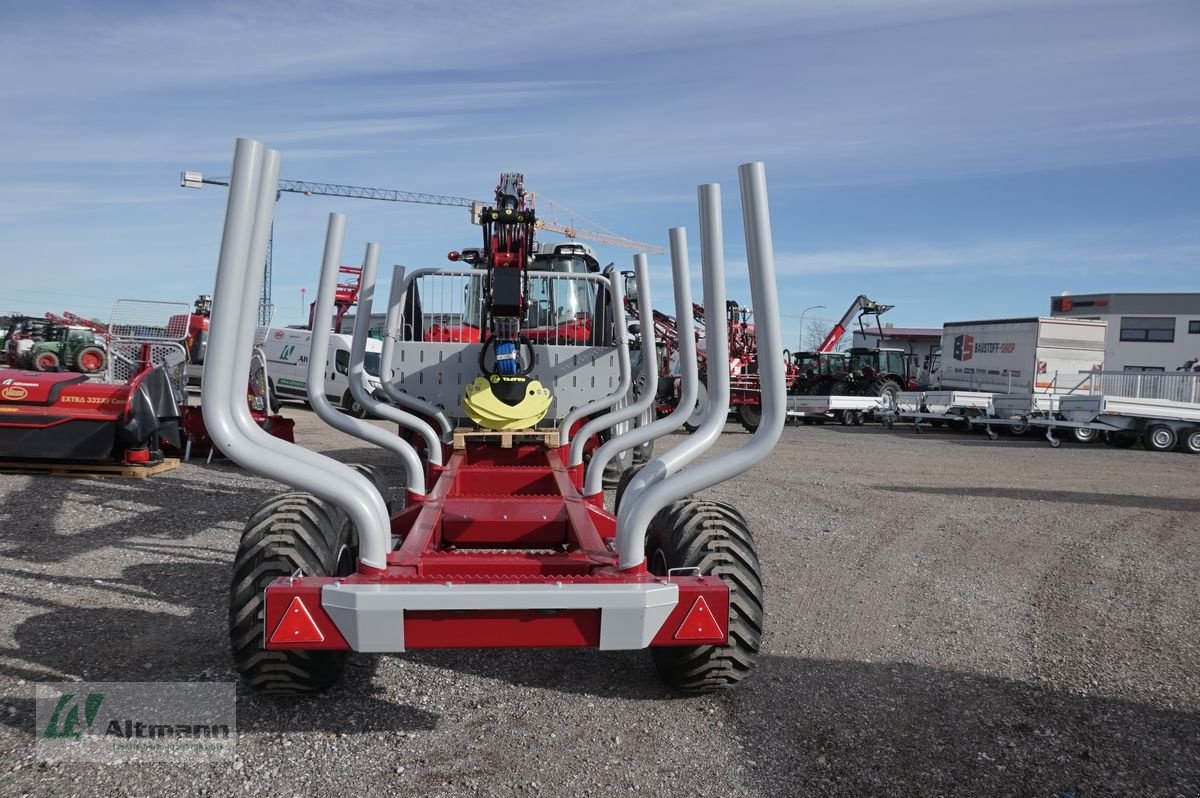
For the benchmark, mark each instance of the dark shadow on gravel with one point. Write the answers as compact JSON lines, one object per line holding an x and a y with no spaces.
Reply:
{"x":846,"y":728}
{"x":1172,"y":504}
{"x":33,"y":526}
{"x":619,"y":674}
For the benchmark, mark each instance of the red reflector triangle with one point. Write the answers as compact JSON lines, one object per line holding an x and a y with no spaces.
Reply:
{"x":297,"y":626}
{"x":699,"y":623}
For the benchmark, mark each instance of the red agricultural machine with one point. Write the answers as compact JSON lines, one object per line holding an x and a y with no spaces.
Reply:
{"x":125,"y":419}
{"x":139,"y":410}
{"x":504,"y":539}
{"x":742,"y":359}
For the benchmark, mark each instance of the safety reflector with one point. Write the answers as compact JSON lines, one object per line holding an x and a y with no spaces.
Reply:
{"x":699,"y":623}
{"x":297,"y":626}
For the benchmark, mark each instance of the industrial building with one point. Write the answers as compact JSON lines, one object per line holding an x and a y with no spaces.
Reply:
{"x":1146,"y":332}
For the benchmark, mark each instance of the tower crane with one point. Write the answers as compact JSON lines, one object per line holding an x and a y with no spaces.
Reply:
{"x":550,"y":223}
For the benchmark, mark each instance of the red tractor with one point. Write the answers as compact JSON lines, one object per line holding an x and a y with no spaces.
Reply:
{"x":503,"y":539}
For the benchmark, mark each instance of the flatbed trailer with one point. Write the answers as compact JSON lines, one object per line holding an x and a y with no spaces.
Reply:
{"x":848,"y":410}
{"x":1160,"y":424}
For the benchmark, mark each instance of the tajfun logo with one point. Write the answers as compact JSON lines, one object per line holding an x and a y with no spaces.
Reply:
{"x":65,"y":722}
{"x":964,"y":347}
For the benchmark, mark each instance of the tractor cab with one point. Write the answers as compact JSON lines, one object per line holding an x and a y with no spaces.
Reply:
{"x":556,"y":310}
{"x":866,"y":363}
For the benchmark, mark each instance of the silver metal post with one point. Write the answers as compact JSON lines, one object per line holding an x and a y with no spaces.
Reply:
{"x":641,"y":270}
{"x":621,"y":339}
{"x":358,"y":353}
{"x":223,"y":399}
{"x":318,"y":360}
{"x":634,"y":516}
{"x":594,"y":480}
{"x":391,"y":334}
{"x":670,"y":461}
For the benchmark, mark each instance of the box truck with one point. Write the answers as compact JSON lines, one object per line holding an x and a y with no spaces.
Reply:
{"x":1035,"y":355}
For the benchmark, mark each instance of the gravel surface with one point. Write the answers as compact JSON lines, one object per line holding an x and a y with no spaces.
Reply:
{"x":945,"y":616}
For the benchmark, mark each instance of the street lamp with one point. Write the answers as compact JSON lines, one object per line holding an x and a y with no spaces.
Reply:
{"x":302,"y":292}
{"x":806,"y":310}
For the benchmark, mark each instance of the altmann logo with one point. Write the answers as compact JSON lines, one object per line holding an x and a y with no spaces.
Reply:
{"x":66,"y":723}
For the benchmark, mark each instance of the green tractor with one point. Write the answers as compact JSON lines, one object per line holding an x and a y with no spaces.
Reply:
{"x":71,"y":349}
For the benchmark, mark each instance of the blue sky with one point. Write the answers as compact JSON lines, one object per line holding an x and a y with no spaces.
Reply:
{"x":955,"y":158}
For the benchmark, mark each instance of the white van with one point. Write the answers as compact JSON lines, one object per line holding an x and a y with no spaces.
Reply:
{"x":286,"y":349}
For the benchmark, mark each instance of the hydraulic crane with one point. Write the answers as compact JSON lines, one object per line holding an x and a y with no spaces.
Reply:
{"x":550,"y":223}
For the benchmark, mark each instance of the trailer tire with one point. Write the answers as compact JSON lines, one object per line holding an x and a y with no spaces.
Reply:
{"x":91,"y":360}
{"x":1085,"y":435}
{"x":351,"y":406}
{"x":623,"y":485}
{"x":378,"y":479}
{"x":1190,"y":441}
{"x":287,"y":532}
{"x":750,"y":417}
{"x":714,"y":538}
{"x":1159,"y":438}
{"x":697,"y":415}
{"x":643,"y":454}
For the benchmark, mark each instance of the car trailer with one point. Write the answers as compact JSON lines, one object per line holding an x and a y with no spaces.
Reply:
{"x":1160,"y":424}
{"x":496,"y":546}
{"x":847,"y":410}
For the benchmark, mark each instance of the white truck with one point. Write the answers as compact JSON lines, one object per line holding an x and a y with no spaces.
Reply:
{"x":1015,"y":356}
{"x":287,"y":353}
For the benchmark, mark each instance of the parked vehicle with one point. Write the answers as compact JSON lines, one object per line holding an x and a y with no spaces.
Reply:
{"x":1032,"y":355}
{"x":287,"y":353}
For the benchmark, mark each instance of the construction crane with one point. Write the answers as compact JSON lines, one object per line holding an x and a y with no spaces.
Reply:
{"x":551,"y":223}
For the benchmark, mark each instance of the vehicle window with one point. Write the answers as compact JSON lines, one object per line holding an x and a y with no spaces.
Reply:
{"x":341,"y":361}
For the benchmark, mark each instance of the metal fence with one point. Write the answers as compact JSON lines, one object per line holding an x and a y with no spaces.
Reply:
{"x":1177,"y":387}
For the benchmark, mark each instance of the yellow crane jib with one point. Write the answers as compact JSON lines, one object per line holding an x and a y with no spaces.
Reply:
{"x":506,"y":402}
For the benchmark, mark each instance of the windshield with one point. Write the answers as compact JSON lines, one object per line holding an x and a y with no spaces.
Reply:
{"x":551,"y":301}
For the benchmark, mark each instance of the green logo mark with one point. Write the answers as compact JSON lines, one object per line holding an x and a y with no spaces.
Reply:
{"x":69,"y":726}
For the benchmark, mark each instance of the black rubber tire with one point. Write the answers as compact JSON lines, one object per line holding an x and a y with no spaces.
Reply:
{"x":693,"y":421}
{"x":1085,"y":435}
{"x":287,"y":532}
{"x":643,"y":454}
{"x":379,"y":479}
{"x":45,"y":361}
{"x":351,"y":407}
{"x":713,"y":537}
{"x":1159,"y":438}
{"x":276,"y":402}
{"x":1189,"y":441}
{"x":91,"y":350}
{"x":626,"y":478}
{"x":750,"y":417}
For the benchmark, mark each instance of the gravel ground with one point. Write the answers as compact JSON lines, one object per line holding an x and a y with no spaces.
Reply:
{"x":946,"y":616}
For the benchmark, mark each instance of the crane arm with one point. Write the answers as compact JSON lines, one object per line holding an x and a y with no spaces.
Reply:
{"x":861,"y":306}
{"x":310,"y":189}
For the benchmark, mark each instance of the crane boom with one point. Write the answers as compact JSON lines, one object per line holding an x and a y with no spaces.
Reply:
{"x":861,"y":306}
